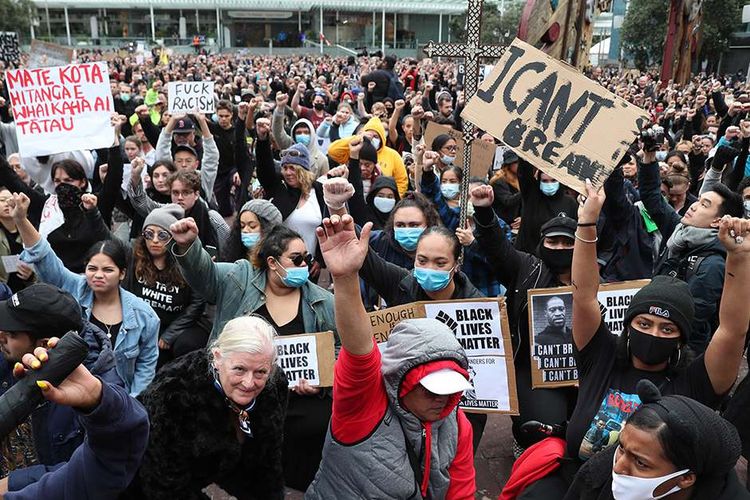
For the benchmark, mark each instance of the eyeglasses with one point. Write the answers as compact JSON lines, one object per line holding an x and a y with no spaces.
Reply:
{"x":452,"y":149}
{"x":162,"y":235}
{"x":298,"y":259}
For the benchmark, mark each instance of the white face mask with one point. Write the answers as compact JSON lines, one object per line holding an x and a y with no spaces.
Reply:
{"x":640,"y":488}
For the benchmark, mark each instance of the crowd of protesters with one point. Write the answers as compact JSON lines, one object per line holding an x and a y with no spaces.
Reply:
{"x":310,"y":198}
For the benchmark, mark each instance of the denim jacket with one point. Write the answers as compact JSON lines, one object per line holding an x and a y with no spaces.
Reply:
{"x":238,"y":289}
{"x":136,"y":349}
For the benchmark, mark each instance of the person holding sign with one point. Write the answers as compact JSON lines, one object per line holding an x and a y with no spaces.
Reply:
{"x":394,"y":408}
{"x":216,"y":417}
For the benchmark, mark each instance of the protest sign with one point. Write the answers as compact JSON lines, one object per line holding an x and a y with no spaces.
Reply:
{"x":554,"y":117}
{"x":482,"y":156}
{"x":9,"y":52}
{"x":383,"y":320}
{"x":45,"y":55}
{"x":189,"y":97}
{"x":550,"y":329}
{"x":309,"y":356}
{"x":60,"y":109}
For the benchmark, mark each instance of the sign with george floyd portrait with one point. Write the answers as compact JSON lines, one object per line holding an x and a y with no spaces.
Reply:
{"x":568,"y":126}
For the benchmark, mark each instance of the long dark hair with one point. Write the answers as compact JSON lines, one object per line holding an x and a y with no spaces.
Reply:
{"x":146,"y":272}
{"x":448,"y":235}
{"x":273,"y":245}
{"x":71,"y":167}
{"x":114,"y":249}
{"x":234,"y":249}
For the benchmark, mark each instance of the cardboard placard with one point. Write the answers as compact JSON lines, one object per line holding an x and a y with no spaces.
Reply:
{"x":309,"y":356}
{"x":190,"y":97}
{"x":553,"y":363}
{"x":60,"y":109}
{"x":45,"y":55}
{"x":554,"y":117}
{"x":9,"y":51}
{"x":482,"y":153}
{"x":481,"y":327}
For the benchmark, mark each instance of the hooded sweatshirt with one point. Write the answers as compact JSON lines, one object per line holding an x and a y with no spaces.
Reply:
{"x":318,"y":160}
{"x":377,"y":217}
{"x":365,"y":454}
{"x":390,"y":162}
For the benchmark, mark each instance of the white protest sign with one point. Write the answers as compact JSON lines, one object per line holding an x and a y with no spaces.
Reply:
{"x":60,"y":109}
{"x":46,"y":54}
{"x":307,"y":356}
{"x":189,"y":97}
{"x":614,"y":299}
{"x":554,"y":117}
{"x":10,"y":263}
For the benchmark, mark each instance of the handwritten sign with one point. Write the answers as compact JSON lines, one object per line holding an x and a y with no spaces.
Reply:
{"x":554,"y":117}
{"x":482,"y":156}
{"x":481,"y":327}
{"x":61,"y":109}
{"x":307,"y":356}
{"x":9,"y":52}
{"x":45,"y":55}
{"x":553,"y":362}
{"x":189,"y":97}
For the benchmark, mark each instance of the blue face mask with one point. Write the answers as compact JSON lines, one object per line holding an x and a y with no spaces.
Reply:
{"x":450,"y":191}
{"x":215,"y":118}
{"x":124,"y":97}
{"x":302,"y":139}
{"x":747,"y":209}
{"x":661,"y":156}
{"x":408,"y":237}
{"x":295,"y":276}
{"x":432,"y":280}
{"x":375,"y":143}
{"x":249,"y":239}
{"x":549,"y":188}
{"x":448,"y":160}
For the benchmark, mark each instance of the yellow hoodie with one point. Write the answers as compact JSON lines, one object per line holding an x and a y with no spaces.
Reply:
{"x":390,"y":162}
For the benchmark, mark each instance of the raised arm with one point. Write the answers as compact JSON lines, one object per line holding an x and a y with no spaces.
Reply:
{"x":724,"y":352}
{"x":344,"y":255}
{"x":283,"y":139}
{"x":298,"y":94}
{"x":265,"y":168}
{"x":586,"y":313}
{"x":210,"y":161}
{"x":648,"y":185}
{"x":393,"y":122}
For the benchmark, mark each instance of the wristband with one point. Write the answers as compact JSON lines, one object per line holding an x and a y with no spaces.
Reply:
{"x":587,"y":224}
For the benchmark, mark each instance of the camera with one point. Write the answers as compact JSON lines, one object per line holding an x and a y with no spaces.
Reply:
{"x":652,"y":138}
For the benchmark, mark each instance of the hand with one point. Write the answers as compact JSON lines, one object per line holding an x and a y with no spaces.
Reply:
{"x":482,"y":196}
{"x":340,"y":171}
{"x":592,"y":205}
{"x":184,"y":232}
{"x":163,"y":345}
{"x":361,"y":96}
{"x":103,"y":168}
{"x":315,"y":270}
{"x":691,"y":114}
{"x":3,"y":102}
{"x":142,"y":111}
{"x":399,"y":104}
{"x":342,"y":251}
{"x":19,"y":206}
{"x":336,"y":192}
{"x":745,"y":128}
{"x":117,"y":121}
{"x":281,"y":99}
{"x":734,"y":234}
{"x":236,"y":181}
{"x":465,"y":235}
{"x":79,"y":390}
{"x":338,"y":118}
{"x":304,"y":388}
{"x":89,"y":201}
{"x":516,"y":224}
{"x":429,"y":115}
{"x":301,"y":88}
{"x":355,"y":146}
{"x":242,"y":110}
{"x":429,"y":159}
{"x":262,"y":127}
{"x":25,"y":271}
{"x":136,"y":170}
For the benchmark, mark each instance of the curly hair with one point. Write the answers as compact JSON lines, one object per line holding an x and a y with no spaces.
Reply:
{"x":146,"y":272}
{"x":419,"y":201}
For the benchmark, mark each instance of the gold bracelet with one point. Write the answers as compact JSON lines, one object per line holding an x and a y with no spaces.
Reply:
{"x":585,"y":241}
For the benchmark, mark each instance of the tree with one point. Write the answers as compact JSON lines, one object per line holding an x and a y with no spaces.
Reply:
{"x":644,"y":31}
{"x":497,"y":28}
{"x":15,"y":15}
{"x":721,"y":18}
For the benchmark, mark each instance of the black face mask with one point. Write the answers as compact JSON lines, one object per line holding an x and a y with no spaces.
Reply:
{"x":68,"y":195}
{"x":650,"y":349}
{"x":557,"y":260}
{"x":318,"y":106}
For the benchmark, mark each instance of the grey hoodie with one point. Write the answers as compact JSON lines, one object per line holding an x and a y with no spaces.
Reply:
{"x":318,"y":160}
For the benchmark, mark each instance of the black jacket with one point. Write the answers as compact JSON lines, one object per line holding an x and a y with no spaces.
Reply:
{"x":193,"y":441}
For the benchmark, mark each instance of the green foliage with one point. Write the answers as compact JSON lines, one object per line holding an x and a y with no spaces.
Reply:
{"x":497,"y":29}
{"x":644,"y":31}
{"x":720,"y":19}
{"x":15,"y":15}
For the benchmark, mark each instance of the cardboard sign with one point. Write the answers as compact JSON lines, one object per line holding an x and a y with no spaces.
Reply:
{"x":309,"y":356}
{"x":9,"y":52}
{"x":189,"y":97}
{"x":553,"y":363}
{"x":45,"y":55}
{"x":61,"y":109}
{"x":482,"y":153}
{"x":554,"y":117}
{"x":481,"y":327}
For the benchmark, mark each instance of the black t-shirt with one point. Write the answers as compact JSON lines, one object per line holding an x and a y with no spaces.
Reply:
{"x":168,"y":300}
{"x":16,"y":247}
{"x":607,"y":393}
{"x":294,"y":327}
{"x":110,"y":330}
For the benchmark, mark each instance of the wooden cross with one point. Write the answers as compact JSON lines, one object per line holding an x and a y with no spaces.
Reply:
{"x":472,"y":51}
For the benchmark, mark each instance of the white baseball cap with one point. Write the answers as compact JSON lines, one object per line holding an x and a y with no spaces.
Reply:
{"x":445,"y":381}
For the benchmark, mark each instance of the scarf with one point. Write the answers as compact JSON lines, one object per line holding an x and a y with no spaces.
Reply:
{"x":688,"y":237}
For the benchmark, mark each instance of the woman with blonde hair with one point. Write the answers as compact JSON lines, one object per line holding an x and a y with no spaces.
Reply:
{"x":217,"y":416}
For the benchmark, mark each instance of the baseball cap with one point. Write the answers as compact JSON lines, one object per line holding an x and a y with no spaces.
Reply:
{"x":562,"y":225}
{"x":43,"y":310}
{"x":445,"y":381}
{"x":184,"y":126}
{"x":185,"y":147}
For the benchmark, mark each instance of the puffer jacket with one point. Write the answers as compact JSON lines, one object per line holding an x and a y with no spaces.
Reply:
{"x":379,"y":466}
{"x":318,"y":160}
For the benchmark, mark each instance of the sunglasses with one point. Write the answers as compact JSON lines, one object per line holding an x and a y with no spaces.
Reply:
{"x":298,"y":259}
{"x":291,"y":152}
{"x":163,"y":236}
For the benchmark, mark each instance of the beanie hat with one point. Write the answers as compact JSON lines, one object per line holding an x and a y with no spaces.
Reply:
{"x":667,"y":297}
{"x":297,"y":154}
{"x":264,"y":210}
{"x":368,"y":151}
{"x":164,"y":216}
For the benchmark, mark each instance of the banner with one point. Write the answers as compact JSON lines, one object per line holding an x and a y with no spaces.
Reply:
{"x":553,"y":362}
{"x":482,"y":153}
{"x":45,"y":55}
{"x":9,"y":52}
{"x":309,"y":356}
{"x":481,"y":327}
{"x":568,"y":126}
{"x":190,"y":97}
{"x":61,"y":109}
